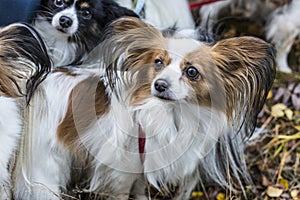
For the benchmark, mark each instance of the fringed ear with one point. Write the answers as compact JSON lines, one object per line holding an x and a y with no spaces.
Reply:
{"x":247,"y":67}
{"x":24,"y":61}
{"x":127,"y":42}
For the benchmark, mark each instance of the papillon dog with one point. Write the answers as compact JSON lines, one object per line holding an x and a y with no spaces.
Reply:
{"x":279,"y":18}
{"x":23,"y":65}
{"x":169,"y":112}
{"x":162,"y":14}
{"x":72,"y":28}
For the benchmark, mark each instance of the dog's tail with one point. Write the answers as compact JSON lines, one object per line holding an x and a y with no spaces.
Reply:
{"x":24,"y":62}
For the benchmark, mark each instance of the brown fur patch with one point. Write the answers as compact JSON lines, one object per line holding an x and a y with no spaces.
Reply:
{"x":84,"y":5}
{"x":87,"y":102}
{"x":145,"y":73}
{"x":207,"y":89}
{"x":140,"y":94}
{"x":247,"y":68}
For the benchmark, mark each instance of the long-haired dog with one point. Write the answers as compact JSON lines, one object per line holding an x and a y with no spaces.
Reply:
{"x":169,"y":112}
{"x":23,"y":65}
{"x":72,"y":28}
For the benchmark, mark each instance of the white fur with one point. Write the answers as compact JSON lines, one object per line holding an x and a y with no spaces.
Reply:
{"x":177,"y":140}
{"x":61,"y":51}
{"x":165,"y":14}
{"x":10,"y":130}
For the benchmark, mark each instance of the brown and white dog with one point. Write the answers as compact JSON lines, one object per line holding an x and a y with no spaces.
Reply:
{"x":169,"y":112}
{"x":23,"y":65}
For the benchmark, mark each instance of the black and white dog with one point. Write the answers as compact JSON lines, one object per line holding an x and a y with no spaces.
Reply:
{"x":72,"y":28}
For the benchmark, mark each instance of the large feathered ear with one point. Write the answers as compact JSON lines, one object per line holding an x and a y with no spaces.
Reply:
{"x":24,"y":61}
{"x":126,"y":42}
{"x":247,"y":67}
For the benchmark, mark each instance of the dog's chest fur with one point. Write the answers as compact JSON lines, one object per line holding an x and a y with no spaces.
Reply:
{"x":180,"y":134}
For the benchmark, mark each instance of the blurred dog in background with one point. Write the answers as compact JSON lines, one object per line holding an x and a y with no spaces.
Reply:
{"x":279,"y":18}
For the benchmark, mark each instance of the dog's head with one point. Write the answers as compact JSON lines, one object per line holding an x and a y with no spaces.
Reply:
{"x":81,"y":19}
{"x":232,"y":76}
{"x":24,"y":61}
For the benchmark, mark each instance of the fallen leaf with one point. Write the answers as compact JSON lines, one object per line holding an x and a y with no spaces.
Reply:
{"x":295,"y":194}
{"x":278,"y":110}
{"x":270,"y":95}
{"x":289,"y":114}
{"x":274,"y":192}
{"x":265,"y":181}
{"x":284,"y":183}
{"x":197,"y":194}
{"x":220,"y":196}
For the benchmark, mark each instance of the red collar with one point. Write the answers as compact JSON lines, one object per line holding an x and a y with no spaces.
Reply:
{"x":200,"y":4}
{"x":142,"y":142}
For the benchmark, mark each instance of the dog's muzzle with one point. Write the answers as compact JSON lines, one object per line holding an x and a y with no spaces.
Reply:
{"x":162,"y":89}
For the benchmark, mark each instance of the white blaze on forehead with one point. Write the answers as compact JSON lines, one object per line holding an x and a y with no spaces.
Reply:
{"x":172,"y":73}
{"x":178,"y":49}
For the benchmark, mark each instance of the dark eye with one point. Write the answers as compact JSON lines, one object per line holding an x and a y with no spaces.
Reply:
{"x":192,"y":73}
{"x":59,"y":3}
{"x":86,"y":14}
{"x":158,"y":64}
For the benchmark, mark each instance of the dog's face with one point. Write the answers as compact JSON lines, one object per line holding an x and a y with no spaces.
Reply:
{"x":81,"y":18}
{"x":232,"y":76}
{"x":178,"y":70}
{"x":68,"y":15}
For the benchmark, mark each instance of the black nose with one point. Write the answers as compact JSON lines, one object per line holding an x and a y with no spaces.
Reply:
{"x":65,"y":21}
{"x":161,"y":85}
